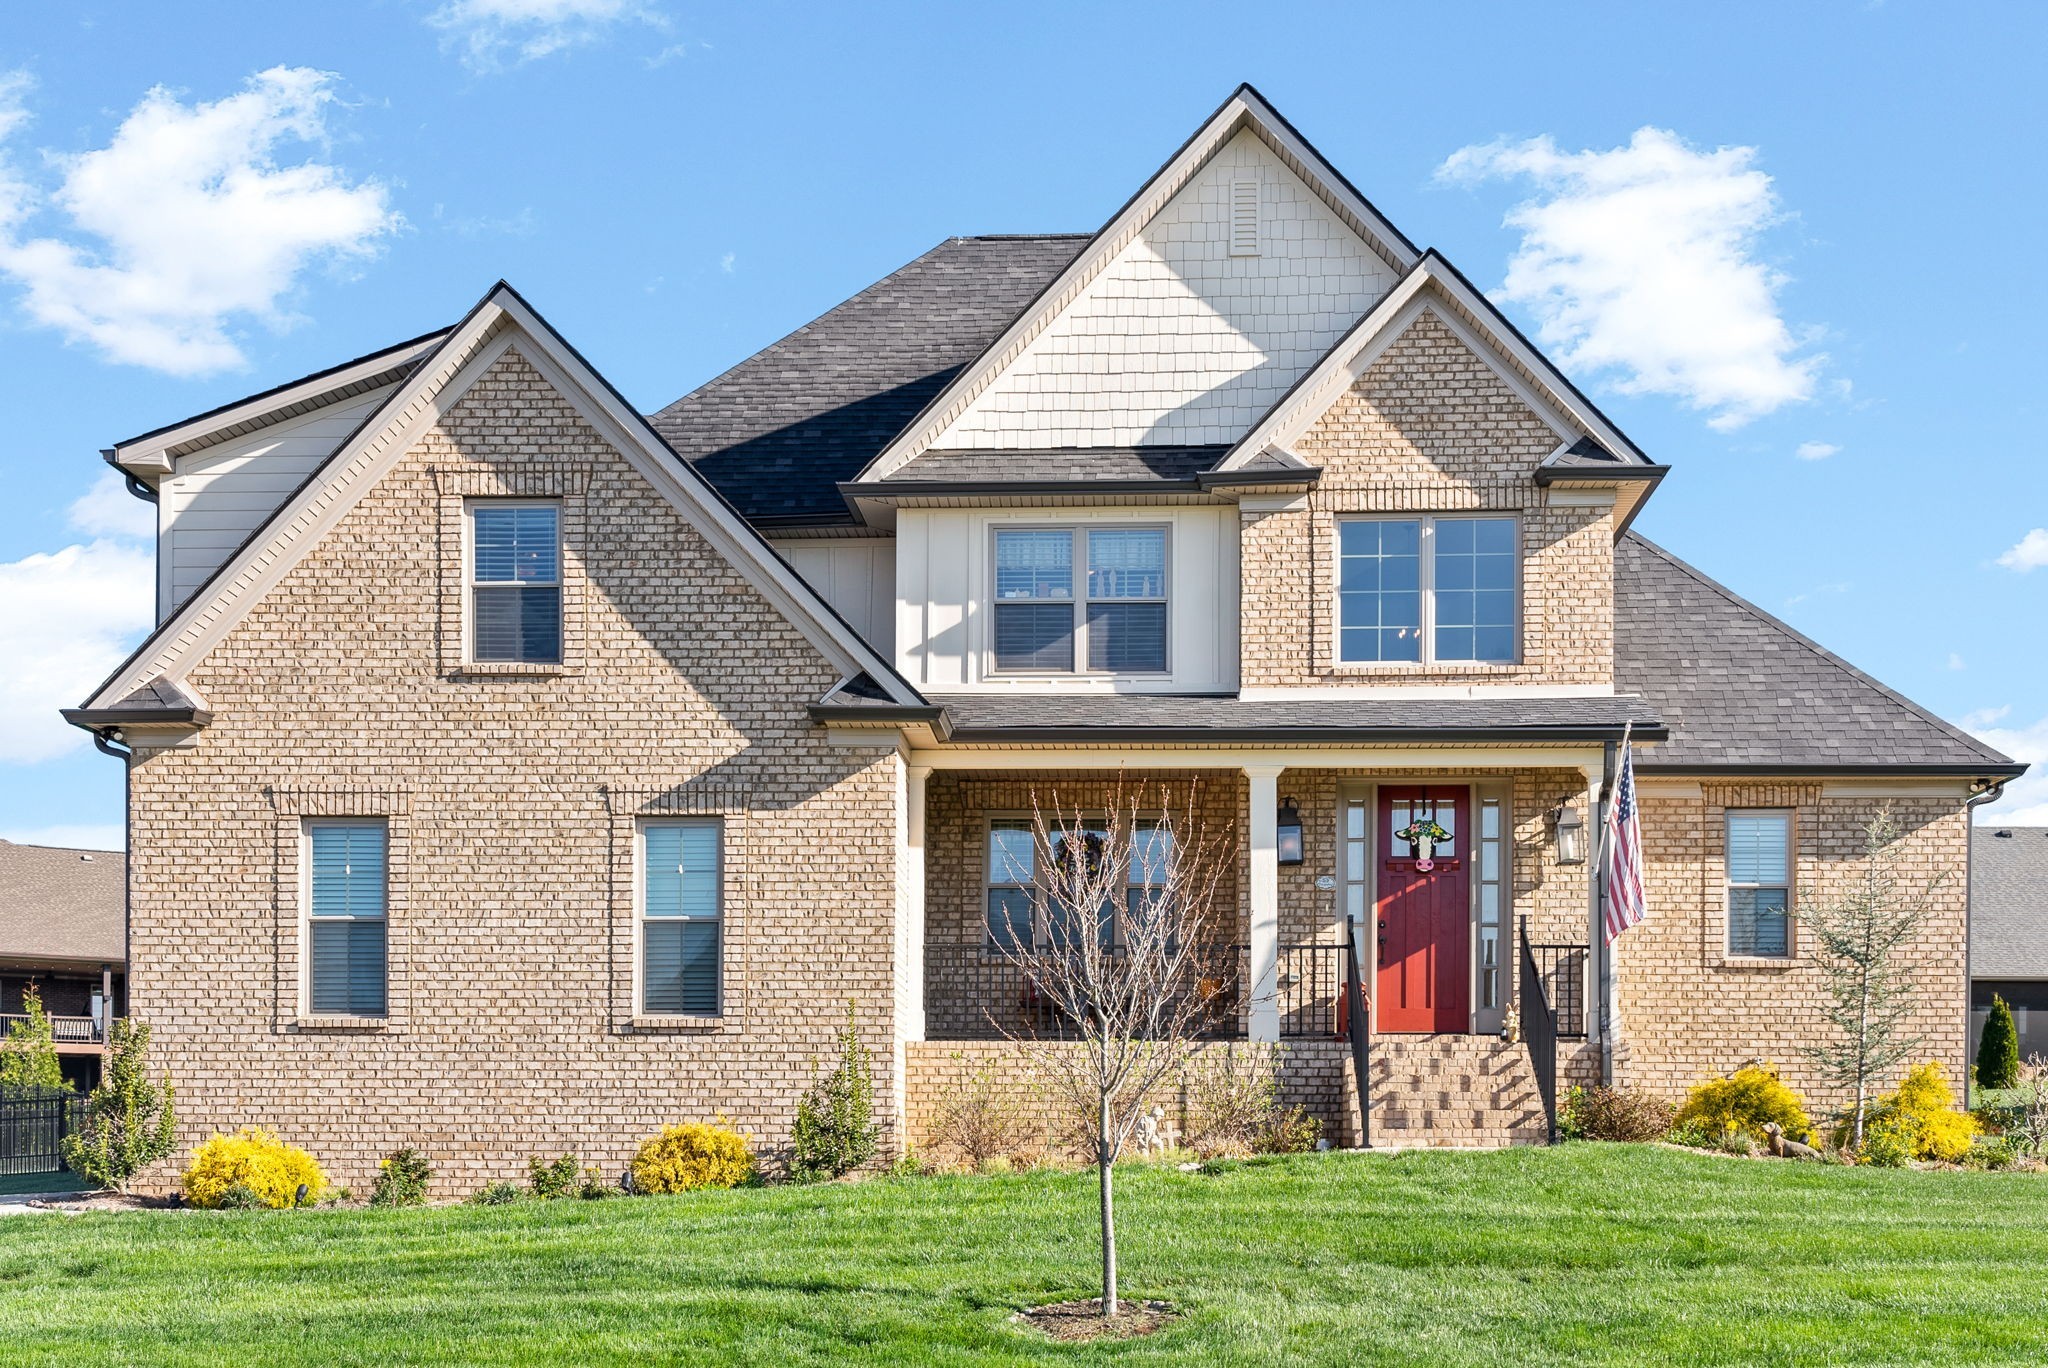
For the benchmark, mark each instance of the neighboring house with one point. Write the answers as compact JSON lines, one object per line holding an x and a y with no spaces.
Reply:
{"x":63,"y":933}
{"x":2009,"y":931}
{"x":511,"y":772}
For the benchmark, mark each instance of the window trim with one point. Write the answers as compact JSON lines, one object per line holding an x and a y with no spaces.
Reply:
{"x":1728,"y":887}
{"x":470,"y":584}
{"x":1426,"y":587}
{"x":307,"y":919}
{"x":641,"y":1012}
{"x":1077,"y":531}
{"x":1039,"y":922}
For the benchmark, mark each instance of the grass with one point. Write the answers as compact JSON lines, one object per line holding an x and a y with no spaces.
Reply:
{"x":1583,"y":1254}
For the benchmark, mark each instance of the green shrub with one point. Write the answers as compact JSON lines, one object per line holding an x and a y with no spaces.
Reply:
{"x":129,"y":1121}
{"x":1998,"y":1052}
{"x":1570,"y":1125}
{"x":28,"y":1056}
{"x":252,"y":1159}
{"x":982,"y":1114}
{"x":562,"y":1178}
{"x":1291,"y":1131}
{"x":500,"y":1193}
{"x":683,"y":1158}
{"x":1625,"y":1114}
{"x":1745,"y":1102}
{"x":1234,"y":1106}
{"x":402,"y":1180}
{"x":1890,"y":1139}
{"x":835,"y":1131}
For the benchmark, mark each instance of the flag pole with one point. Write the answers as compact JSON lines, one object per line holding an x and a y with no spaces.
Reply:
{"x":1610,"y":997}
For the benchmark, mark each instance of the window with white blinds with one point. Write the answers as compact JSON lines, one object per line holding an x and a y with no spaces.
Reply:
{"x":515,"y":582}
{"x":680,"y":918}
{"x":1760,"y":883}
{"x":1109,"y":619}
{"x":346,"y":899}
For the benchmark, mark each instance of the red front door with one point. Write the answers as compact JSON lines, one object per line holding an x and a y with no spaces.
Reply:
{"x":1424,"y":914}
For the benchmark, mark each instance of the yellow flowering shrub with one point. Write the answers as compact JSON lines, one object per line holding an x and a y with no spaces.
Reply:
{"x":264,"y":1167}
{"x":1746,"y":1101}
{"x":693,"y":1156}
{"x":1924,"y":1107}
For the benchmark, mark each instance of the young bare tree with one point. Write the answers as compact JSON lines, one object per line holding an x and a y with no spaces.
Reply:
{"x":1857,"y":939}
{"x":1122,"y":899}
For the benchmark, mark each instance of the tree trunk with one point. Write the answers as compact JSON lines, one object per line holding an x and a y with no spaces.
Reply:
{"x":1106,"y":1172}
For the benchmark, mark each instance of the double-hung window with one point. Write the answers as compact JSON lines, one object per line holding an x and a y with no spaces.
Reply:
{"x":515,"y":582}
{"x":680,"y":918}
{"x":1426,"y":590}
{"x":1759,"y":883}
{"x":1016,"y":920}
{"x":346,"y":903}
{"x":1110,"y":618}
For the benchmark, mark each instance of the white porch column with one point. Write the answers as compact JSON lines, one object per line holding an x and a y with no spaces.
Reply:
{"x":910,"y":903}
{"x":1265,"y":909}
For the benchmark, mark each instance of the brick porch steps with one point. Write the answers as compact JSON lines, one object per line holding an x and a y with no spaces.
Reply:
{"x":1452,"y":1090}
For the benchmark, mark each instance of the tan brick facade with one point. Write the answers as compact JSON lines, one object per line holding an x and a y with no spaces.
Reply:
{"x":1428,"y":428}
{"x":511,"y":799}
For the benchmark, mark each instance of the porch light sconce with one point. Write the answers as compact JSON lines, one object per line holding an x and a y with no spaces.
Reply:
{"x":1568,"y":831}
{"x":1287,"y":833}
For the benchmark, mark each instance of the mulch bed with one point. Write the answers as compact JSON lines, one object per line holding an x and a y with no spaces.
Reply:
{"x":1077,"y":1321}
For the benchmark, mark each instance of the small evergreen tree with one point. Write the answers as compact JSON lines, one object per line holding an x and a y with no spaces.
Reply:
{"x":28,"y":1057}
{"x":835,"y":1131}
{"x":129,"y":1121}
{"x":1998,"y":1053}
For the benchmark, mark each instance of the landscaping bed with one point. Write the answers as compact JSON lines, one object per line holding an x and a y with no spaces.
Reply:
{"x":1584,"y":1253}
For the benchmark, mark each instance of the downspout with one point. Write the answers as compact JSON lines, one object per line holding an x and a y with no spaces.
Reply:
{"x":1991,"y":793}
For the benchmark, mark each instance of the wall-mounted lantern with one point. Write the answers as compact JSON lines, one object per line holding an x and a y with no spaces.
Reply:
{"x":1568,"y":833}
{"x":1287,"y":833}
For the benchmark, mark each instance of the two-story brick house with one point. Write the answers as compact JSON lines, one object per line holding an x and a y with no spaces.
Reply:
{"x":513,"y":772}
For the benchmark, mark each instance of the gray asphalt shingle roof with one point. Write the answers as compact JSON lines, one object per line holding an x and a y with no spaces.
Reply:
{"x":62,"y":904}
{"x":778,"y":432}
{"x":2009,"y":902}
{"x":1061,"y":463}
{"x":1193,"y":716}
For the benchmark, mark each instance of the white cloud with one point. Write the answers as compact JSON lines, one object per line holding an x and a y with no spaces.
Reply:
{"x":2025,"y":802}
{"x":492,"y":35}
{"x":1955,"y":661}
{"x":109,"y":510}
{"x":1816,"y":451}
{"x":67,"y":618}
{"x":76,"y":836}
{"x":2029,"y":553}
{"x":1839,"y":587}
{"x":1641,"y":263}
{"x":186,"y":222}
{"x":727,"y":262}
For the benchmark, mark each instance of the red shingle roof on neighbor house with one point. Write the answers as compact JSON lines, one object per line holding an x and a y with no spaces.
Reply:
{"x":62,"y":905}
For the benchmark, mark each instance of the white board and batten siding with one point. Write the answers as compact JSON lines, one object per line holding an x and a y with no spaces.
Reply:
{"x":856,"y":575}
{"x":220,"y":494}
{"x":944,"y":592}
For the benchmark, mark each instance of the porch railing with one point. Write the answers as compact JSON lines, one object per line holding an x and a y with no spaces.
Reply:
{"x":974,"y":992}
{"x":1539,"y":1033}
{"x":64,"y":1030}
{"x":1561,"y":969}
{"x":33,"y":1124}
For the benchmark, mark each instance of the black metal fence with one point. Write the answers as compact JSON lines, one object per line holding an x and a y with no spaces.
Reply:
{"x":1561,"y":969}
{"x":975,"y":992}
{"x":33,"y":1124}
{"x":1539,"y":1033}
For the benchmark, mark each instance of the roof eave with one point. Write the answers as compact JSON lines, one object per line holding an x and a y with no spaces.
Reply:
{"x":1270,"y":736}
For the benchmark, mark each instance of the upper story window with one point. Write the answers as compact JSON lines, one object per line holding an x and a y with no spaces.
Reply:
{"x":1426,"y":590}
{"x":345,"y":917}
{"x":515,"y":581}
{"x":681,"y":914}
{"x":1108,"y":619}
{"x":1760,"y":882}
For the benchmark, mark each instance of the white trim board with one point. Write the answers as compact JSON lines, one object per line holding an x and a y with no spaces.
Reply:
{"x":499,"y":321}
{"x":1244,"y":109}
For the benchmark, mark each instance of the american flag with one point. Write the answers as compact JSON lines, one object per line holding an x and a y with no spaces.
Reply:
{"x":1625,"y":906}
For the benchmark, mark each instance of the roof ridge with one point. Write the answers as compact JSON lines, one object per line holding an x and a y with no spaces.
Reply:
{"x":1893,"y":695}
{"x":69,"y":850}
{"x":1016,"y":237}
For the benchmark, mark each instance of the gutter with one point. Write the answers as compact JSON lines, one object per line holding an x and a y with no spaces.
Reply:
{"x":1139,"y":735}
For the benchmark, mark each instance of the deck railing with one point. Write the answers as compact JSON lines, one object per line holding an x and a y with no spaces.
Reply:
{"x":65,"y":1030}
{"x":1561,"y":969}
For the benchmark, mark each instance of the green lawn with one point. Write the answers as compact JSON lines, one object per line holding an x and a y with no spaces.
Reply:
{"x":1588,"y":1253}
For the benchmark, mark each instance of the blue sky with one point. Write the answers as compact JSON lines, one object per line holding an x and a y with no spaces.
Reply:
{"x":1791,"y":248}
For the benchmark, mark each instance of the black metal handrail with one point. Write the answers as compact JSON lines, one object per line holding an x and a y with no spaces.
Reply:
{"x":976,"y":992}
{"x":1539,"y":1033}
{"x":33,"y":1124}
{"x":1359,"y":1031}
{"x":1562,"y":971}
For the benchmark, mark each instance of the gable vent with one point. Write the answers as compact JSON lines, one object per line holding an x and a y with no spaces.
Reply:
{"x":1244,"y":214}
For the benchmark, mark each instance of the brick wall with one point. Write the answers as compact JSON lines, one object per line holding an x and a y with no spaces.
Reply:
{"x":1428,"y":428}
{"x":512,"y":801}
